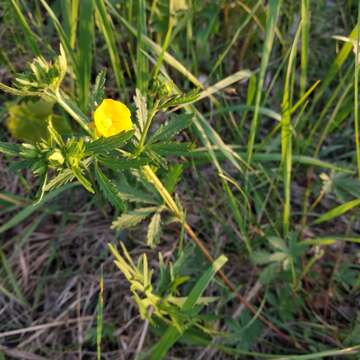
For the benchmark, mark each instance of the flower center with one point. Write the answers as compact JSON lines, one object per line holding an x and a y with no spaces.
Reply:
{"x":107,"y":122}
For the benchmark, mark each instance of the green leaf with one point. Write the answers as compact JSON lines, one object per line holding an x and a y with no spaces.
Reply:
{"x":272,"y":17}
{"x":173,"y":127}
{"x":122,"y":164}
{"x":261,"y":257}
{"x":133,"y":194}
{"x":142,"y":68}
{"x":166,"y":149}
{"x":9,"y":149}
{"x":28,"y":121}
{"x":17,"y":92}
{"x":85,"y":49}
{"x":63,"y":38}
{"x":97,"y":93}
{"x":268,"y":274}
{"x":182,"y":99}
{"x":173,"y":175}
{"x":104,"y":145}
{"x":154,"y":230}
{"x":82,"y":179}
{"x":132,"y":218}
{"x":336,"y":212}
{"x":172,"y":334}
{"x":30,"y":37}
{"x":108,"y":189}
{"x":64,"y":177}
{"x":278,"y":243}
{"x":107,"y":28}
{"x":141,"y":109}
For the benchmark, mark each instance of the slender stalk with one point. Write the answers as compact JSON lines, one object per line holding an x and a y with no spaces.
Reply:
{"x":305,"y":26}
{"x":78,"y":117}
{"x":147,"y":126}
{"x":356,"y":93}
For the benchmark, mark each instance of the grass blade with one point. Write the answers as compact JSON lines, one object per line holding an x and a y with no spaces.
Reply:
{"x":273,"y":12}
{"x":30,"y":37}
{"x":85,"y":50}
{"x":28,"y":210}
{"x":356,"y":93}
{"x":338,"y":211}
{"x":286,"y":135}
{"x":305,"y":29}
{"x":62,"y":35}
{"x":107,"y":29}
{"x":142,"y":66}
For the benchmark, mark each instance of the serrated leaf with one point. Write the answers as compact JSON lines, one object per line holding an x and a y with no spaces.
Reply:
{"x":132,"y":218}
{"x":9,"y":149}
{"x":278,"y":243}
{"x":23,"y":164}
{"x":97,"y":93}
{"x":108,"y":189}
{"x":182,"y":99}
{"x":54,"y":135}
{"x":133,"y":194}
{"x":173,"y":177}
{"x":82,"y":179}
{"x":156,"y":159}
{"x":169,"y":130}
{"x":167,"y":149}
{"x":141,"y":109}
{"x":104,"y":145}
{"x":122,"y":164}
{"x":16,"y":92}
{"x":154,"y":230}
{"x":64,"y":177}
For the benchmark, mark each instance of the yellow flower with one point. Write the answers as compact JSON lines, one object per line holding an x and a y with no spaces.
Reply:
{"x":112,"y":117}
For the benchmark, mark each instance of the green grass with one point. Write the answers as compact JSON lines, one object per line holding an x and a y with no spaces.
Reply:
{"x":270,"y":180}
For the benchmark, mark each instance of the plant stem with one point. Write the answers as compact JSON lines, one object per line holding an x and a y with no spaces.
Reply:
{"x":147,"y":126}
{"x":75,"y":114}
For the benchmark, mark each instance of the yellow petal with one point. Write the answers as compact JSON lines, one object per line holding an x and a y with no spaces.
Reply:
{"x":112,"y":117}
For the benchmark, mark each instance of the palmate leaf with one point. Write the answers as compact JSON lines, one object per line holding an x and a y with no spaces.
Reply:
{"x":132,"y":218}
{"x":154,"y":230}
{"x":169,"y":130}
{"x":105,"y":145}
{"x":108,"y":189}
